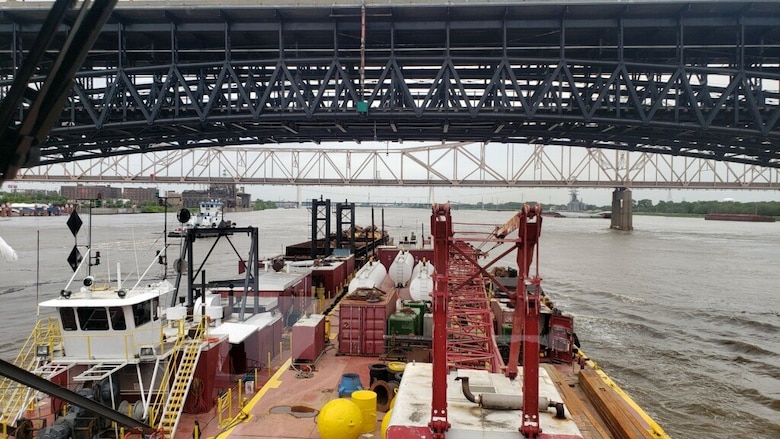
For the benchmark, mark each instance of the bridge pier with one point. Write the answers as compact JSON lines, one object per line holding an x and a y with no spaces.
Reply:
{"x":621,"y":209}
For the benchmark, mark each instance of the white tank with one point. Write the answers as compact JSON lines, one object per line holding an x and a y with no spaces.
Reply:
{"x":369,"y":276}
{"x":401,"y":269}
{"x":421,"y":286}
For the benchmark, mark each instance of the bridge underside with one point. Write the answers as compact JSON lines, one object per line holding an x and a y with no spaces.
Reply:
{"x":696,"y":79}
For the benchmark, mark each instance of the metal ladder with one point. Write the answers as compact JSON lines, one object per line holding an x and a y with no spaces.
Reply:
{"x":181,"y":373}
{"x":17,"y":397}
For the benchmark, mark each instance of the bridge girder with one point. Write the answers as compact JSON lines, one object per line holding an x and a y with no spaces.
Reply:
{"x":697,"y":80}
{"x":657,"y":109}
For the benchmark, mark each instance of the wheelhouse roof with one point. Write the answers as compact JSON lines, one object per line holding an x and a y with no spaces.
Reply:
{"x":107,"y":297}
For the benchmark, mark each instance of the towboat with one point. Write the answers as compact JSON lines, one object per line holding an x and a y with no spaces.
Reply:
{"x":119,"y":346}
{"x":209,"y":216}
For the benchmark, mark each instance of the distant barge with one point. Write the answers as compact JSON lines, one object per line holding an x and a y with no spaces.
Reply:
{"x":740,"y":217}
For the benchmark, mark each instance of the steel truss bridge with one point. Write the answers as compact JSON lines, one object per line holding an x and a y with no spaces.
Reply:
{"x":687,"y":80}
{"x":456,"y":164}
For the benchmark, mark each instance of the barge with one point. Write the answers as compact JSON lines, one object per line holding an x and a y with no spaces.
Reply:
{"x":466,"y":351}
{"x":740,"y":217}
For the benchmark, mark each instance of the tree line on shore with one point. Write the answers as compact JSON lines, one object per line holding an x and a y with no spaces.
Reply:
{"x":646,"y":206}
{"x":771,"y":208}
{"x":693,"y":208}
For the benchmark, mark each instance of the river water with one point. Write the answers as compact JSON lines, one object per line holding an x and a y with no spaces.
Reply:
{"x":683,"y":313}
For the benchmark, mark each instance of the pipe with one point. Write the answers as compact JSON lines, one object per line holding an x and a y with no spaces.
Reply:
{"x":498,"y":401}
{"x":464,"y":385}
{"x":559,"y":411}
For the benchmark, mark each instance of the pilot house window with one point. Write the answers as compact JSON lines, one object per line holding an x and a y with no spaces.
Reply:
{"x":117,"y":318}
{"x":93,"y":319}
{"x":68,"y":319}
{"x":142,"y":313}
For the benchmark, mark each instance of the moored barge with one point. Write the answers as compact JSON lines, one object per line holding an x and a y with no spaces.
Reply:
{"x":740,"y":217}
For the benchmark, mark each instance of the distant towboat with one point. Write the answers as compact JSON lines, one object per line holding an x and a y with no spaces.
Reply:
{"x":739,"y":217}
{"x":209,"y":217}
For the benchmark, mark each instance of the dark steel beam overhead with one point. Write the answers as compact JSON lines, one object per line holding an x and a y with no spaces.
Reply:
{"x":697,"y":79}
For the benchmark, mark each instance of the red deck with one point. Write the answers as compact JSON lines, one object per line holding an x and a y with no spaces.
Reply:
{"x":289,"y":390}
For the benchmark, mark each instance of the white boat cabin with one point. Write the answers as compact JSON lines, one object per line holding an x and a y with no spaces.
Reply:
{"x":209,"y":216}
{"x":111,"y":323}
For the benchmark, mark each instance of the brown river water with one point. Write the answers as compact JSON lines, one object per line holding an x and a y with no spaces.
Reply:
{"x":683,"y":313}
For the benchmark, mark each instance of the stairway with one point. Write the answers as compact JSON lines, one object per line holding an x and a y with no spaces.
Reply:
{"x":17,"y":397}
{"x":182,"y":373}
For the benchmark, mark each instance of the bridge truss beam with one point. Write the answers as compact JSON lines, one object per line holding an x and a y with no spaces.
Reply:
{"x":672,"y":110}
{"x":697,"y":80}
{"x":456,"y":164}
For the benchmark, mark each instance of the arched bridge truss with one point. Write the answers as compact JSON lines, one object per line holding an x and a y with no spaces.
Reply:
{"x":456,"y":164}
{"x":698,"y":80}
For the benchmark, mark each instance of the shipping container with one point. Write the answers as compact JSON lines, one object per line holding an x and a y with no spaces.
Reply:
{"x":502,"y":313}
{"x":363,"y":321}
{"x":331,"y":273}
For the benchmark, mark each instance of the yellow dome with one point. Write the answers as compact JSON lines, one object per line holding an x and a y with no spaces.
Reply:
{"x":340,"y":419}
{"x":396,"y":366}
{"x":386,"y":423}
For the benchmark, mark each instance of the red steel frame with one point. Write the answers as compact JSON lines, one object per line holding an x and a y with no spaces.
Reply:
{"x":441,"y":228}
{"x":463,"y":334}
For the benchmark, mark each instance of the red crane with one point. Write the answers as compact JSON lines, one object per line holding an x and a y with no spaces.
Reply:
{"x":463,"y":334}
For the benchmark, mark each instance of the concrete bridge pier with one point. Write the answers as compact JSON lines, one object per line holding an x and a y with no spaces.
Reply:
{"x":621,"y":209}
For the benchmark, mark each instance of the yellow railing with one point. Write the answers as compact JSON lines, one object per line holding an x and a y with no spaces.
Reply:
{"x":156,"y":407}
{"x":225,"y":408}
{"x":225,"y":402}
{"x":15,"y":396}
{"x":164,"y":400}
{"x":45,"y":333}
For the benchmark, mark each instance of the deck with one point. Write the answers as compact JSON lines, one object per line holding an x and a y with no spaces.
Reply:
{"x":287,"y":405}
